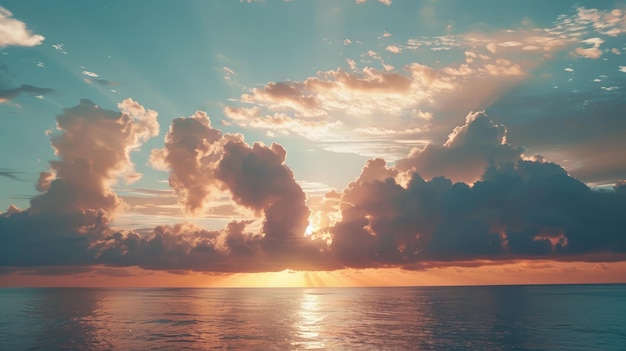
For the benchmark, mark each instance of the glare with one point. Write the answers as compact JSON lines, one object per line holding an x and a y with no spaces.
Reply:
{"x":309,"y":230}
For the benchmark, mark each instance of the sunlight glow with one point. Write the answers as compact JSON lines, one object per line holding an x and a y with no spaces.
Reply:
{"x":309,"y":230}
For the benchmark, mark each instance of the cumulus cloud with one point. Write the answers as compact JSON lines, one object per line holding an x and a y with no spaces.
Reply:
{"x":13,"y":32}
{"x":258,"y":179}
{"x":518,"y":208}
{"x":191,"y":153}
{"x":93,"y":148}
{"x":389,"y":216}
{"x":202,"y":162}
{"x":468,"y":150}
{"x":523,"y":209}
{"x":77,"y":204}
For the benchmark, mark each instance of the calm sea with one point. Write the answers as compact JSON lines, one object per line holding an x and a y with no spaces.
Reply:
{"x":567,"y":317}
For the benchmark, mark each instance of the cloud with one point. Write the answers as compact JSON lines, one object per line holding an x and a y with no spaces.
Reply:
{"x":60,"y":48}
{"x":14,"y":32}
{"x":393,"y":49}
{"x":90,"y":74}
{"x":202,"y":162}
{"x":93,"y":148}
{"x":593,"y":52}
{"x":357,"y":97}
{"x":7,"y":95}
{"x":258,"y":179}
{"x":590,"y":153}
{"x":279,"y":122}
{"x":523,"y":209}
{"x":463,"y":157}
{"x":389,"y":216}
{"x":93,"y":77}
{"x":318,"y":96}
{"x":47,"y":239}
{"x":191,"y":153}
{"x":11,"y":174}
{"x":102,"y":82}
{"x":384,"y":2}
{"x":611,"y":23}
{"x":76,"y":203}
{"x":228,"y":73}
{"x":336,"y":102}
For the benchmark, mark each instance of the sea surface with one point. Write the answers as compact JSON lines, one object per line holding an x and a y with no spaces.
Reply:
{"x":558,"y":317}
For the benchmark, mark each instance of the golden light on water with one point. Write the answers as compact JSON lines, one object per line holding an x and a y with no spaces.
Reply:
{"x":521,"y":272}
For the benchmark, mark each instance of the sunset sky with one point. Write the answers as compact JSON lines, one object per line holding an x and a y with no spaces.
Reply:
{"x":312,"y":143}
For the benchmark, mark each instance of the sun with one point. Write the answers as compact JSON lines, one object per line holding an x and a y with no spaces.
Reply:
{"x":309,"y":230}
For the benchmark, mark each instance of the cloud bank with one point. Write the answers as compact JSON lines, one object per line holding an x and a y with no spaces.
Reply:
{"x":421,"y":212}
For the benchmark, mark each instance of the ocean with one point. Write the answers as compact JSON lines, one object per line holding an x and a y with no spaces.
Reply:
{"x":555,"y":317}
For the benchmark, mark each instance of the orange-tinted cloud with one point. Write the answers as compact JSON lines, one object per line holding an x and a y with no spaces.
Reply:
{"x":470,"y":148}
{"x":94,"y":148}
{"x":390,"y":216}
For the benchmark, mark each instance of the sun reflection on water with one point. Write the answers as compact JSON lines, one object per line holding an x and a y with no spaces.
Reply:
{"x":308,"y":325}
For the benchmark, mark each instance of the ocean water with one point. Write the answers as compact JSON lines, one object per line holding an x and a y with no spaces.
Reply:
{"x":567,"y":317}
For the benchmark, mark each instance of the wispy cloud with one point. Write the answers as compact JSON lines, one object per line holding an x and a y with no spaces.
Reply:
{"x":11,"y":174}
{"x":7,"y":95}
{"x":59,"y":48}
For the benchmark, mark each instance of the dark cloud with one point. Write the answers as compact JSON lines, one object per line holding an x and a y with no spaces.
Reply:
{"x":258,"y":180}
{"x":582,"y":130}
{"x":102,"y":82}
{"x":48,"y":239}
{"x":524,"y":209}
{"x":187,"y":247}
{"x":11,"y":174}
{"x":10,"y":94}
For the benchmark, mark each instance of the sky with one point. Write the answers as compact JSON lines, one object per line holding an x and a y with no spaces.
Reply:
{"x":312,"y":143}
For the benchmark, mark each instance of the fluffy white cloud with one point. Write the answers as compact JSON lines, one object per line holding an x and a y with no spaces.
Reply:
{"x":394,"y":49}
{"x":13,"y":32}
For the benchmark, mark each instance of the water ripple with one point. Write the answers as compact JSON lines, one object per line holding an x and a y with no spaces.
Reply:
{"x":463,"y":318}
